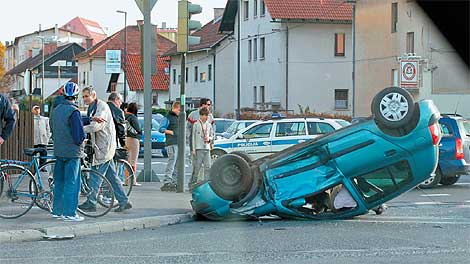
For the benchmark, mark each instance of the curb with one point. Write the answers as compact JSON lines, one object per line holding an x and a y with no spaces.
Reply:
{"x":82,"y":230}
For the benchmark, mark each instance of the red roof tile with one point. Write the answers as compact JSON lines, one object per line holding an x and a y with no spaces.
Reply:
{"x":135,"y":78}
{"x":87,"y":28}
{"x":209,"y":34}
{"x":309,"y":9}
{"x":116,"y":42}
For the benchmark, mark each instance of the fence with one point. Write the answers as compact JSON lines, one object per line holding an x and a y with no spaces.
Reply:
{"x":21,"y":137}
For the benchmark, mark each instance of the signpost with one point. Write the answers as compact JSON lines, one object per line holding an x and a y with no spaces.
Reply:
{"x":113,"y":61}
{"x":146,"y":7}
{"x":409,"y":72}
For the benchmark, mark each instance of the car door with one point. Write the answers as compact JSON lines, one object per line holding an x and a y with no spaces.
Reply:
{"x":288,"y":134}
{"x":447,"y":145}
{"x":256,"y":140}
{"x":464,"y":127}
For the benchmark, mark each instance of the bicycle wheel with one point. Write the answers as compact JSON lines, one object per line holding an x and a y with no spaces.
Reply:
{"x":45,"y":189}
{"x":104,"y":197}
{"x":126,"y":174}
{"x":17,"y":195}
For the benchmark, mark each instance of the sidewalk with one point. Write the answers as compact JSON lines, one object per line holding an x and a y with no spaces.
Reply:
{"x":152,"y":208}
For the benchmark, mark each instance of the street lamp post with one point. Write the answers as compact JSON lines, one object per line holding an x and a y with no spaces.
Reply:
{"x":125,"y":53}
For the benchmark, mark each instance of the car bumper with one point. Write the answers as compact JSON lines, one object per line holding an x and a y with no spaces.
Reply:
{"x":452,"y":168}
{"x":207,"y":203}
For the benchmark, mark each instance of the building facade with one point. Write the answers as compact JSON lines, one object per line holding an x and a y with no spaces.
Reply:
{"x":293,"y":55}
{"x":390,"y":29}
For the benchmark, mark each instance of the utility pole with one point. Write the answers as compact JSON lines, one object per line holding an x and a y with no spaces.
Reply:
{"x":353,"y":77}
{"x":239,"y":59}
{"x":146,"y":7}
{"x":185,"y":26}
{"x":125,"y":53}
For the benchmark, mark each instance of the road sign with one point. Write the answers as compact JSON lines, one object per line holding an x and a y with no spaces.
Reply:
{"x":141,"y":4}
{"x":113,"y":61}
{"x":409,"y":73}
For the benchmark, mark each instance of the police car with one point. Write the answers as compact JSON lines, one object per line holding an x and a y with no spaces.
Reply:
{"x":266,"y":137}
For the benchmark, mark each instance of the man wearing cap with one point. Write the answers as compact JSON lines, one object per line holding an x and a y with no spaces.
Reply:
{"x":42,"y":132}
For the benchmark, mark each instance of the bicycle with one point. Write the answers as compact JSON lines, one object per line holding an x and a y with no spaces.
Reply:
{"x":122,"y":167}
{"x":20,"y":189}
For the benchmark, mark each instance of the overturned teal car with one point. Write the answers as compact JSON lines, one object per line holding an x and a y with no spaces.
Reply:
{"x":339,"y":175}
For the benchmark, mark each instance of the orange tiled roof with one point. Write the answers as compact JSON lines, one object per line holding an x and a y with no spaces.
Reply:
{"x":135,"y":78}
{"x":309,"y":9}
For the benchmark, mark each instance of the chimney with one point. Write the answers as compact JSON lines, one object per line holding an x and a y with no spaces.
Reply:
{"x":163,"y":25}
{"x":140,"y":24}
{"x":89,"y":43}
{"x":50,"y":47}
{"x":218,"y":12}
{"x":7,"y":43}
{"x":56,"y":31}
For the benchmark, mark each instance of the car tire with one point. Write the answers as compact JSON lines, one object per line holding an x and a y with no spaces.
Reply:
{"x":231,"y":177}
{"x":393,"y":107}
{"x":449,"y":180}
{"x":432,"y":181}
{"x":247,"y":157}
{"x":216,"y":154}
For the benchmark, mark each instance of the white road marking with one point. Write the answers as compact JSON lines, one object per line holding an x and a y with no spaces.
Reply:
{"x":427,"y":203}
{"x":155,"y":162}
{"x":462,"y":183}
{"x":435,"y":195}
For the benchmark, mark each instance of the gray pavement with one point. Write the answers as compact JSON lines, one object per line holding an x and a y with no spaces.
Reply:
{"x":148,"y":203}
{"x":430,"y":226}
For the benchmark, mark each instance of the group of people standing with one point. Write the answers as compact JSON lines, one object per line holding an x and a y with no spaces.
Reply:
{"x":104,"y":125}
{"x":200,"y":138}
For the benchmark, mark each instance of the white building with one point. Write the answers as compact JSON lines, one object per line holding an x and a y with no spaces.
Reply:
{"x":209,"y":69}
{"x":293,"y":53}
{"x":387,"y":30}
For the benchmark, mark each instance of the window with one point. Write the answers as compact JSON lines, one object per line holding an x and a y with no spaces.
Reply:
{"x":174,"y":76}
{"x":249,"y":49}
{"x":255,"y":49}
{"x":262,"y":8}
{"x":290,"y":129}
{"x":259,"y":131}
{"x":83,"y":78}
{"x":255,"y":95}
{"x":246,"y":9}
{"x":262,"y":48}
{"x":203,"y":76}
{"x":196,"y":73}
{"x":209,"y":69}
{"x":394,"y":17}
{"x":319,"y":128}
{"x":394,"y":77}
{"x":255,"y":8}
{"x":154,"y":99}
{"x":410,"y":42}
{"x":186,"y":75}
{"x":446,"y":130}
{"x":91,"y":65}
{"x":262,"y":94}
{"x":381,"y":183}
{"x":179,"y":79}
{"x":341,"y":99}
{"x":339,"y":44}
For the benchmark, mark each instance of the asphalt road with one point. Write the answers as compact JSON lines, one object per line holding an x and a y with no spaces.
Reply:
{"x":431,"y":226}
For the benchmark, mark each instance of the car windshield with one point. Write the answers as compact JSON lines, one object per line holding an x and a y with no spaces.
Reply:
{"x":232,"y":129}
{"x":343,"y":123}
{"x":222,"y":125}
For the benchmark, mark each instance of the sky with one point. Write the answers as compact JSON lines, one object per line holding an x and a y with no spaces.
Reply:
{"x":20,"y":17}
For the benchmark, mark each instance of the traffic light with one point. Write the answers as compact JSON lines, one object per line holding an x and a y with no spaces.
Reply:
{"x":186,"y":25}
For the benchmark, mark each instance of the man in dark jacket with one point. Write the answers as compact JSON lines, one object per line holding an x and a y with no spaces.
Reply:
{"x":171,"y":142}
{"x":114,"y":102}
{"x":7,"y":119}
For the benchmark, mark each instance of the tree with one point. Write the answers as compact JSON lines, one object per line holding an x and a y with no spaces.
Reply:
{"x":2,"y":56}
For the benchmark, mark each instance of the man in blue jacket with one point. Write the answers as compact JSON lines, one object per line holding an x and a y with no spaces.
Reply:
{"x":68,"y":134}
{"x":7,"y":119}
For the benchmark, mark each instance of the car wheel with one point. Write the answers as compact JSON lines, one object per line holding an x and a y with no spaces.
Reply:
{"x":231,"y":177}
{"x":449,"y":181}
{"x":216,"y":154}
{"x":393,"y":107}
{"x":247,"y":157}
{"x":432,"y":181}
